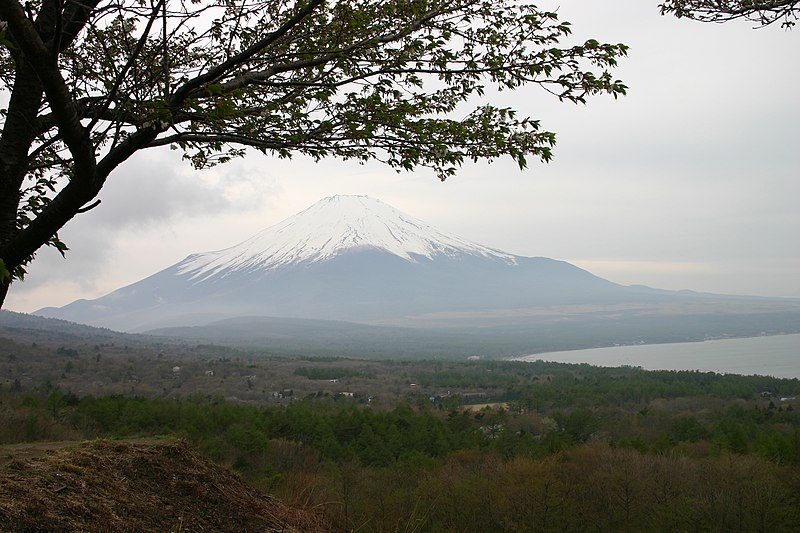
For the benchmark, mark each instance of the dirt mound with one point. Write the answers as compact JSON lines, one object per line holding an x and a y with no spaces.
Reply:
{"x":119,"y":486}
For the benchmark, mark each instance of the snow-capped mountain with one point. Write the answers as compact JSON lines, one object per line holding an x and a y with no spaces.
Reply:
{"x":331,"y":227}
{"x":350,"y":258}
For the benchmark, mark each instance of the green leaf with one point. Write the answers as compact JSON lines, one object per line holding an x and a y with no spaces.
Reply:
{"x":5,"y":275}
{"x":214,"y":88}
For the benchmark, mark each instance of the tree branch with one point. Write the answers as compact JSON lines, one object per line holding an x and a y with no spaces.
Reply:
{"x":64,"y":109}
{"x":765,"y":12}
{"x":112,"y":93}
{"x":71,"y":199}
{"x":228,"y":65}
{"x":76,"y":15}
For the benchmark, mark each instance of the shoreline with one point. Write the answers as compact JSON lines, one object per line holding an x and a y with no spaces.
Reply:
{"x":775,"y":355}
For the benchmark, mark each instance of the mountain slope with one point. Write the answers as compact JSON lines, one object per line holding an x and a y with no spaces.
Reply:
{"x":349,"y":258}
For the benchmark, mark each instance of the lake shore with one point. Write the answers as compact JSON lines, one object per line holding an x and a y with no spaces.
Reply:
{"x":773,"y":355}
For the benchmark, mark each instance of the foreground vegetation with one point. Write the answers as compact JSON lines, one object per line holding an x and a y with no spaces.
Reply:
{"x":569,"y":447}
{"x":390,"y":446}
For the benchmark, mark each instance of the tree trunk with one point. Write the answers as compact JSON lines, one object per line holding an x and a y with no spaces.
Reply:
{"x":3,"y":291}
{"x":19,"y":132}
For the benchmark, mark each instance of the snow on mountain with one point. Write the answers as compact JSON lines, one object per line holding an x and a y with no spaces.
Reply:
{"x":350,"y":258}
{"x":330,"y":227}
{"x":356,"y":259}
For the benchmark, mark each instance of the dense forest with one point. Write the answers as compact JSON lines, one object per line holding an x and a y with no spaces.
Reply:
{"x":553,"y":448}
{"x":428,"y":445}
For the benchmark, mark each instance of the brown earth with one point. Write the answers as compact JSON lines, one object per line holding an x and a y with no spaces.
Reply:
{"x":134,"y":486}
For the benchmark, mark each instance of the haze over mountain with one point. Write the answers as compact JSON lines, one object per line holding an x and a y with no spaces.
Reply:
{"x":352,"y":258}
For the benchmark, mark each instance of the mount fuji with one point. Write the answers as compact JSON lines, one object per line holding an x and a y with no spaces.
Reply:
{"x":348,"y":258}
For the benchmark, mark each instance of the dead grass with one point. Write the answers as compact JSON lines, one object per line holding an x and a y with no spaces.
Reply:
{"x":135,"y":486}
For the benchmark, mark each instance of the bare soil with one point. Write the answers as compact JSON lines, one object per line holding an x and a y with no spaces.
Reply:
{"x":133,"y":486}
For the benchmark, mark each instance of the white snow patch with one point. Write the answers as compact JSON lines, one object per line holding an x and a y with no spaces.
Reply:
{"x":329,"y":227}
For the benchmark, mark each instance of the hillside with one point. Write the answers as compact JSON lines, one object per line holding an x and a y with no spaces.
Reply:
{"x":119,"y":486}
{"x":429,"y":337}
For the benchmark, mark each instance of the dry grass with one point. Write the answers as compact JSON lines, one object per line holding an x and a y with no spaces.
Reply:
{"x":136,"y":486}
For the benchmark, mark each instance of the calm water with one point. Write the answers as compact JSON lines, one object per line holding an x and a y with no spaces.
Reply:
{"x":777,"y":356}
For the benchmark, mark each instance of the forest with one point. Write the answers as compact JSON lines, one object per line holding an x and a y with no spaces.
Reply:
{"x":443,"y":446}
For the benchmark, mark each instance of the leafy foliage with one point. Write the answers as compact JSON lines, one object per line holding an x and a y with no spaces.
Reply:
{"x":572,"y":447}
{"x":733,"y":468}
{"x":762,"y":12}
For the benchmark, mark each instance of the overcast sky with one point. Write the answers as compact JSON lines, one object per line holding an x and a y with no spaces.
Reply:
{"x":692,"y":181}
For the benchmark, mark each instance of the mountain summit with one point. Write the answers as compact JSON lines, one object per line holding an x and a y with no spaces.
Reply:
{"x":331,"y":227}
{"x":350,"y":258}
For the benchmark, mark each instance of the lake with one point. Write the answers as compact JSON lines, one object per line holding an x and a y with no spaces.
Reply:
{"x":777,"y":356}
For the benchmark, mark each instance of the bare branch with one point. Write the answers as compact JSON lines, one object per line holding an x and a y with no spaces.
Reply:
{"x":231,"y":63}
{"x":131,"y":60}
{"x":762,"y":12}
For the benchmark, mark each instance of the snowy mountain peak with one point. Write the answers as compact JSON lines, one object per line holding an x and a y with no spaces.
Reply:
{"x":330,"y":227}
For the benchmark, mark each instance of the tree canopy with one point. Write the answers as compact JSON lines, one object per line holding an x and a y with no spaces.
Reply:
{"x":762,"y":12}
{"x":88,"y":84}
